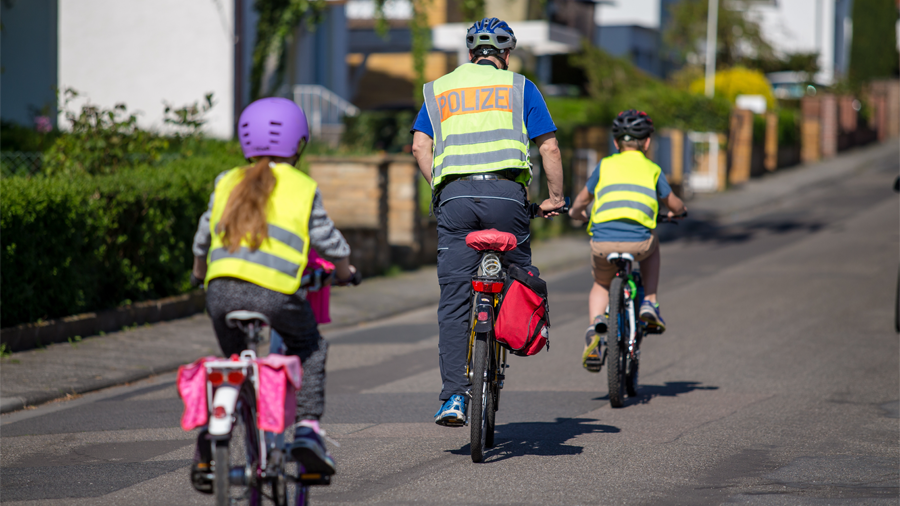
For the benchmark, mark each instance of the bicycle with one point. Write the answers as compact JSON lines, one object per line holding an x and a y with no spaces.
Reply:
{"x":626,"y":292}
{"x":487,"y":359}
{"x":254,"y":460}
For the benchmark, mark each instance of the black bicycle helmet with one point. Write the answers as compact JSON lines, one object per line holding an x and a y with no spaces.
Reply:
{"x":632,"y":124}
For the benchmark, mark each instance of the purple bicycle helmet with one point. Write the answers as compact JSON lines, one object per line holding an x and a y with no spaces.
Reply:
{"x":272,"y":127}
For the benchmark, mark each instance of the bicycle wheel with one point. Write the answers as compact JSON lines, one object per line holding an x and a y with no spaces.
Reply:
{"x":617,"y":344}
{"x":481,"y":397}
{"x":237,"y":460}
{"x":631,"y":369}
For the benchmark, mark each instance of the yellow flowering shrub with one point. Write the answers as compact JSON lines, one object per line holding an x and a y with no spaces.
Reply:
{"x":738,"y":81}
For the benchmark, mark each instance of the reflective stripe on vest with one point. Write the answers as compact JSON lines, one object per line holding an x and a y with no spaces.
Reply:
{"x":626,"y":190}
{"x":478,"y":116}
{"x":279,"y":262}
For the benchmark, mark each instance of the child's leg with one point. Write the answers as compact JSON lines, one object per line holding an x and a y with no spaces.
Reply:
{"x":597,"y":301}
{"x":650,"y":273}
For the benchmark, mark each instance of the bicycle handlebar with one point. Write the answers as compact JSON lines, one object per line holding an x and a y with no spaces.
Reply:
{"x":534,"y":209}
{"x":319,"y":278}
{"x":673,"y":219}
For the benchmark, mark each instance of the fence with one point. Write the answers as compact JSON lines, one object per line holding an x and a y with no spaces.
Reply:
{"x":20,"y":163}
{"x":325,"y":111}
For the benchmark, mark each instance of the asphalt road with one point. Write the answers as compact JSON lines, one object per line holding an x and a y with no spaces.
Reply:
{"x":777,"y":383}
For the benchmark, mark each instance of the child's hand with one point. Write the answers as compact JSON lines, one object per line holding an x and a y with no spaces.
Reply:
{"x":578,"y":214}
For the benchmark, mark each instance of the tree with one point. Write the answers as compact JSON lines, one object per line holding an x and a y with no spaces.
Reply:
{"x":873,"y":50}
{"x":738,"y":36}
{"x":278,"y":20}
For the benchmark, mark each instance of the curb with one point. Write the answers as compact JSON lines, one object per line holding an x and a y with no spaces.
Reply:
{"x":35,"y":335}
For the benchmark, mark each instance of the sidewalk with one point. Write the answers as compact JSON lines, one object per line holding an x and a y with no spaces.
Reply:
{"x":36,"y":376}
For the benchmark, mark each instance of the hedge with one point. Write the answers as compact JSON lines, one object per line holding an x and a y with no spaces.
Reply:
{"x":71,"y":245}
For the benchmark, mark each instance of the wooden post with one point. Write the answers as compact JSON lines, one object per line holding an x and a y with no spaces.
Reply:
{"x":741,"y":145}
{"x":677,"y":140}
{"x":771,"y":142}
{"x":809,"y":130}
{"x":828,"y":125}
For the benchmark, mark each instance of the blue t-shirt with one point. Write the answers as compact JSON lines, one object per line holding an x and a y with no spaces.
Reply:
{"x":537,"y":117}
{"x":623,"y":230}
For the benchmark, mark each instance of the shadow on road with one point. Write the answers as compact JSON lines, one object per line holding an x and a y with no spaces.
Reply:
{"x":701,"y":230}
{"x":539,"y":438}
{"x":670,"y":389}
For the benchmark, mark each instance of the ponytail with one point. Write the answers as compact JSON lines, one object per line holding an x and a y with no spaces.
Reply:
{"x":245,"y":212}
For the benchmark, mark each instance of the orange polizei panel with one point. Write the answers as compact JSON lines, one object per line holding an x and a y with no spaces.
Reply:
{"x":472,"y":100}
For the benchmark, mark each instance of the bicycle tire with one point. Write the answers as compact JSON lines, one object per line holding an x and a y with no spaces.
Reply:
{"x":241,"y":450}
{"x":494,"y":391}
{"x":480,"y":396}
{"x":631,"y":370}
{"x":617,"y":346}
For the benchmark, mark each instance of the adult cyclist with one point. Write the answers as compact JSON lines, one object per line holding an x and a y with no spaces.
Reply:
{"x":471,"y":142}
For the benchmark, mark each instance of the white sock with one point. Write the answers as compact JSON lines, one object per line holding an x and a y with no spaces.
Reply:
{"x":312,"y":424}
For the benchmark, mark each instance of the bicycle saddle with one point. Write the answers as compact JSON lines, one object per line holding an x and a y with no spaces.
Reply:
{"x":245,"y":316}
{"x":491,"y":240}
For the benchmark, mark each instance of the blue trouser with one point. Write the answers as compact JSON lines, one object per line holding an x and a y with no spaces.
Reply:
{"x":463,"y":207}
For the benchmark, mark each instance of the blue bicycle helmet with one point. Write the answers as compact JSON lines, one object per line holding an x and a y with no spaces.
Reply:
{"x":491,"y":32}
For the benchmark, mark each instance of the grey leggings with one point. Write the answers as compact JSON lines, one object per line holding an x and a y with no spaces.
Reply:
{"x":291,"y":316}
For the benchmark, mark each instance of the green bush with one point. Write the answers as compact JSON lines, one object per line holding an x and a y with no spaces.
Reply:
{"x":788,"y":127}
{"x":71,"y":245}
{"x":101,"y":141}
{"x":372,"y":131}
{"x":15,"y":137}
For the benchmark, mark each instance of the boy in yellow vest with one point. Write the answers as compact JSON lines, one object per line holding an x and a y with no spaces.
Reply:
{"x":626,"y":189}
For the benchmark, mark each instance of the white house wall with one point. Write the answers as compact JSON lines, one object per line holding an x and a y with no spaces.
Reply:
{"x":143,"y":53}
{"x":645,"y":13}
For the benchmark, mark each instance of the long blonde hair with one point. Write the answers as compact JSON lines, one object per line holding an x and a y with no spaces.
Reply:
{"x":245,"y":211}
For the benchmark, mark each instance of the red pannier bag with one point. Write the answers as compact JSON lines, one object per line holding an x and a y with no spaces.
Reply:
{"x":523,"y":321}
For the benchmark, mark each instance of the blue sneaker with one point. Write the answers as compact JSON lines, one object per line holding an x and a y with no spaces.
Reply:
{"x":309,"y":449}
{"x":452,"y":413}
{"x":650,"y":315}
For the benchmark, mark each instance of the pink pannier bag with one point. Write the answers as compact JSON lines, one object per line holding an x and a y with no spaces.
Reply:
{"x":319,"y":300}
{"x":279,"y":378}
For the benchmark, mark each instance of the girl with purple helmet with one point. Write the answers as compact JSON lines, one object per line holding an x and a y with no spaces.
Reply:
{"x":251,"y":247}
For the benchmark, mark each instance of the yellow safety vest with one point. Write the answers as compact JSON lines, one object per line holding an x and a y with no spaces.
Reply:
{"x":279,"y":262}
{"x":478,"y":116}
{"x":626,"y":190}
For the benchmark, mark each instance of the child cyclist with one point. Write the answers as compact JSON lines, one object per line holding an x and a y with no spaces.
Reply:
{"x":251,"y":247}
{"x":626,"y":189}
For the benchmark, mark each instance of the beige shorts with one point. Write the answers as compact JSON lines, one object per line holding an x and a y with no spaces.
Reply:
{"x":604,"y":271}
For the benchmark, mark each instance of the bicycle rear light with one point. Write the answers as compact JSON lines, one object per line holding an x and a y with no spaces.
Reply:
{"x":216,"y":378}
{"x":487,"y":286}
{"x":235,"y":377}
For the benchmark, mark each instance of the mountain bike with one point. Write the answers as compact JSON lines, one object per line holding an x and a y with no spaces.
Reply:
{"x":487,"y":359}
{"x":624,"y":330}
{"x":249,"y":464}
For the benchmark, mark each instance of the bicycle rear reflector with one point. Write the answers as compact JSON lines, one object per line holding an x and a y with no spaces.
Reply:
{"x":487,"y":286}
{"x":216,"y":378}
{"x":235,"y":377}
{"x":219,"y":412}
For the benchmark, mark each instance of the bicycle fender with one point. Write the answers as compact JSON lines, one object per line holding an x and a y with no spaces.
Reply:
{"x":225,"y":397}
{"x":484,"y":318}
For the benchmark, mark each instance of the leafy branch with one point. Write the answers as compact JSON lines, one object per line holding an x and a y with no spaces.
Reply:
{"x":278,"y":20}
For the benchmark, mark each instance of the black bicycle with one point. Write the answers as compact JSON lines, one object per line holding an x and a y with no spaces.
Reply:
{"x":486,"y":361}
{"x":625,"y":330}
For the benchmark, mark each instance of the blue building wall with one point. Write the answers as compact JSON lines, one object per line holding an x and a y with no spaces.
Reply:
{"x":29,"y":60}
{"x":638,"y":44}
